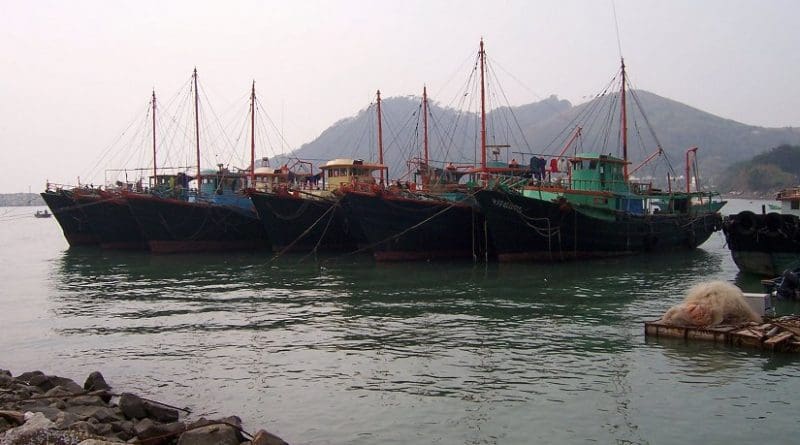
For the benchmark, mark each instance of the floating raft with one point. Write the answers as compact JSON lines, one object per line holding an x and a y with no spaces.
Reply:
{"x":776,"y":334}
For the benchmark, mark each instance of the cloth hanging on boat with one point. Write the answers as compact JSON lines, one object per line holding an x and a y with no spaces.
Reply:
{"x":538,"y":167}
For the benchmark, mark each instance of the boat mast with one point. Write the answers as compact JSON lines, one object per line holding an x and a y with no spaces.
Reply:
{"x":624,"y":122}
{"x":691,"y":151}
{"x":197,"y":128}
{"x":155,"y":177}
{"x":482,"y":56}
{"x":253,"y":136}
{"x":425,"y":176}
{"x":380,"y":138}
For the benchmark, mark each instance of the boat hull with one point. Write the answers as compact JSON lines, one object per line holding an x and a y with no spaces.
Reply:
{"x":302,"y":224}
{"x":175,"y":226}
{"x":524,"y":228}
{"x":400,"y":228}
{"x":112,"y":222}
{"x":763,"y":244}
{"x":70,"y":216}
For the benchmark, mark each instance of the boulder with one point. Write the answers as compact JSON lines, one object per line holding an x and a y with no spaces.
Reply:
{"x":95,"y":382}
{"x":65,"y":420}
{"x":132,"y":406}
{"x":101,"y":413}
{"x":123,"y":429}
{"x":160,"y":413}
{"x":85,"y":400}
{"x":48,"y":411}
{"x":152,"y":433}
{"x":217,"y":434}
{"x":25,"y":377}
{"x":263,"y":437}
{"x":58,"y":391}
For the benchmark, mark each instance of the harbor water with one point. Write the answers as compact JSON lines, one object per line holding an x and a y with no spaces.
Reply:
{"x":341,"y":350}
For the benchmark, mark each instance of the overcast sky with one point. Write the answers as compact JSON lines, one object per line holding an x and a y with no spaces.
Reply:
{"x":74,"y":73}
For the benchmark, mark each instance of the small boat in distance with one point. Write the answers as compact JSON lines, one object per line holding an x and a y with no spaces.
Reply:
{"x":42,"y":214}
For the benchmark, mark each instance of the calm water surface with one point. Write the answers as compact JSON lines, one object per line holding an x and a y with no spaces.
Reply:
{"x":346,"y":351}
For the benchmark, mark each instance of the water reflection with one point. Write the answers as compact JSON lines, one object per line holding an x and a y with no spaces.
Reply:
{"x":360,"y":305}
{"x":348,"y":342}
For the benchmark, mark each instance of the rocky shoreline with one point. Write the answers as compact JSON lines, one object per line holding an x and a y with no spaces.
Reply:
{"x":39,"y":409}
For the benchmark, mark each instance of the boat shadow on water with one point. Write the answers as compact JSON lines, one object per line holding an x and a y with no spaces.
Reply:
{"x":589,"y":305}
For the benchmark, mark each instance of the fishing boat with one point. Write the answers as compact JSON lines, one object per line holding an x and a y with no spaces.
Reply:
{"x":434,"y":217}
{"x":767,"y":243}
{"x":595,"y":209}
{"x":69,"y":214}
{"x":42,"y":214}
{"x":304,"y":212}
{"x":108,"y":212}
{"x":215,"y":216}
{"x":305,"y":215}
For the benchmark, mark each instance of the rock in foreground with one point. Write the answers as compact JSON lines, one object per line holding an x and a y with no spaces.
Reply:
{"x":39,"y":409}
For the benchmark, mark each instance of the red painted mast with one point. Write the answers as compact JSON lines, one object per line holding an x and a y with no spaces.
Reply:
{"x":253,"y":136}
{"x":380,"y":138}
{"x":624,"y":122}
{"x":155,"y":177}
{"x":425,"y":176}
{"x":482,"y":55}
{"x":197,"y":128}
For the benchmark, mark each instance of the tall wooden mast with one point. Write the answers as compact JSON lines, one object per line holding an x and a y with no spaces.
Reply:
{"x":425,"y":176}
{"x":624,"y":123}
{"x":155,"y":177}
{"x":482,"y":56}
{"x":253,"y":136}
{"x":380,"y":137}
{"x":197,"y":128}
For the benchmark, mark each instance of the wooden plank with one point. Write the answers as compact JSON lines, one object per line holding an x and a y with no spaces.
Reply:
{"x":778,"y":341}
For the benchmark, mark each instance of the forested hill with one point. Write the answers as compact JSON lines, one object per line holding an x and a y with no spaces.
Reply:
{"x":545,"y":125}
{"x":764,"y":174}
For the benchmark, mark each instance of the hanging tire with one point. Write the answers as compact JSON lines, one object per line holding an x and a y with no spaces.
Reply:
{"x":745,"y":223}
{"x":773,"y":222}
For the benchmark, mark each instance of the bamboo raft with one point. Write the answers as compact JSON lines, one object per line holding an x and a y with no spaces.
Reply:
{"x":776,"y":334}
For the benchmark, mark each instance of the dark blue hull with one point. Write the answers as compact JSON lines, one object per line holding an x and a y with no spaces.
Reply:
{"x":524,"y":228}
{"x":172,"y":226}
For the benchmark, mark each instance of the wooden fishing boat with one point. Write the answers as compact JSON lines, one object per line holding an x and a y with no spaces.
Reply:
{"x":306,"y":212}
{"x":436,"y":216}
{"x":768,"y":243}
{"x":70,"y":215}
{"x":595,"y":209}
{"x":216,"y":216}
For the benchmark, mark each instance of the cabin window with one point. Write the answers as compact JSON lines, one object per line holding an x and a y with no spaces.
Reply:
{"x":795,"y":205}
{"x":592,"y":165}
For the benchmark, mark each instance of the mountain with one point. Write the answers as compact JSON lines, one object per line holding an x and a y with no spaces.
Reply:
{"x":20,"y":199}
{"x":765,"y":174}
{"x":543,"y":127}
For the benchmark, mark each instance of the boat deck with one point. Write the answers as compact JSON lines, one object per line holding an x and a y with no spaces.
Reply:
{"x":776,"y":334}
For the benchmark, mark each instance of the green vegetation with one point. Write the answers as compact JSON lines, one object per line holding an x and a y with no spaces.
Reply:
{"x":764,"y":174}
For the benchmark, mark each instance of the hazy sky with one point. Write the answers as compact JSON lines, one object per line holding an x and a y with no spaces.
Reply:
{"x":74,"y":73}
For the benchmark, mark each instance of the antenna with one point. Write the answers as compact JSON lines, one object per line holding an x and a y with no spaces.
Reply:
{"x":616,"y":27}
